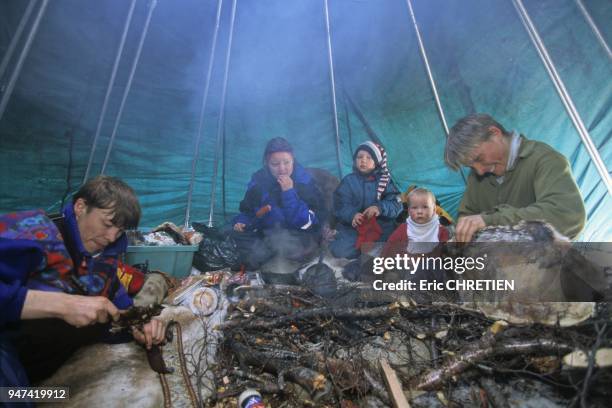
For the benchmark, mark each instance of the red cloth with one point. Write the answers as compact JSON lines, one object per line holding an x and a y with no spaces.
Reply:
{"x":398,"y":241}
{"x":368,"y":231}
{"x":131,"y":278}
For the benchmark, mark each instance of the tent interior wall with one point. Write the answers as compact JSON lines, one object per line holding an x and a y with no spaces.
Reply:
{"x":278,"y":84}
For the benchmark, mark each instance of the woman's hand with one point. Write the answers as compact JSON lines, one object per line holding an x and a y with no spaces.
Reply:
{"x":372,"y":211}
{"x":285,"y":182}
{"x":239,"y":227}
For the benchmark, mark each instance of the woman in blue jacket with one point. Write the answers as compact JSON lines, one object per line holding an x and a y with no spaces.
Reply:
{"x":365,"y":193}
{"x":281,"y":210}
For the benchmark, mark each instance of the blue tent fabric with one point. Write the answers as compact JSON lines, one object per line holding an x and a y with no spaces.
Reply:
{"x":481,"y":57}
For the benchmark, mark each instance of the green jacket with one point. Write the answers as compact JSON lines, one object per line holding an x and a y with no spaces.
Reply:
{"x":539,"y":187}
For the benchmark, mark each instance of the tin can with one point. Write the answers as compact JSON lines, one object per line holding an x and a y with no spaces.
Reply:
{"x":250,"y":399}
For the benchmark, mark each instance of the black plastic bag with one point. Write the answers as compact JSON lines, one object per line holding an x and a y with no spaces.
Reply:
{"x":217,"y":250}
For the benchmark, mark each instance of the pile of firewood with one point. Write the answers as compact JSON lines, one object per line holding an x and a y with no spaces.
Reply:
{"x":301,"y":350}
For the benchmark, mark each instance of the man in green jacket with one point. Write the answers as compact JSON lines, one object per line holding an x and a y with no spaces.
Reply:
{"x":512,"y":179}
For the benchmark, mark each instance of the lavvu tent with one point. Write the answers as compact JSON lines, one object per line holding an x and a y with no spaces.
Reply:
{"x":178,"y":97}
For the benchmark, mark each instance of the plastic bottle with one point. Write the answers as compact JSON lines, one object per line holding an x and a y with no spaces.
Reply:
{"x":250,"y":399}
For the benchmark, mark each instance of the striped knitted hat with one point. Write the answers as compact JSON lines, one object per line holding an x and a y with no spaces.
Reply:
{"x":379,"y":155}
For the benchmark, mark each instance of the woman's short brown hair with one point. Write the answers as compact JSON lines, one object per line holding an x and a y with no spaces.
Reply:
{"x":110,"y":193}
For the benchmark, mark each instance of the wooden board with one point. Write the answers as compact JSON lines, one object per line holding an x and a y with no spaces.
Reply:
{"x":393,"y":386}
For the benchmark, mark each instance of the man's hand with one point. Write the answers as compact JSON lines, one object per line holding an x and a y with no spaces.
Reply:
{"x":239,"y":227}
{"x":357,"y":220}
{"x":75,"y":310}
{"x":285,"y":182}
{"x":88,"y":310}
{"x":371,"y":211}
{"x":467,"y":226}
{"x":153,"y":332}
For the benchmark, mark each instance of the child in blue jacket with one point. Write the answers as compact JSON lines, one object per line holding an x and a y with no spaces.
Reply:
{"x":365,"y":193}
{"x":281,"y":210}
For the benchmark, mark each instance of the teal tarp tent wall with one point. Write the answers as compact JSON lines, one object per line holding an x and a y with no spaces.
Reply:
{"x":278,"y":84}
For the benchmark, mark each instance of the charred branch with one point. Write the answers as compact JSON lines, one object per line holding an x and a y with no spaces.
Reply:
{"x":434,"y":379}
{"x":340,"y":313}
{"x":314,"y":382}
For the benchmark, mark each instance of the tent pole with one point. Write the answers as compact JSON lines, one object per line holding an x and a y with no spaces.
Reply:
{"x":589,"y":19}
{"x":109,"y":88}
{"x":221,"y":119}
{"x":15,"y":39}
{"x":330,"y":58}
{"x":366,"y":125}
{"x":348,"y":123}
{"x":24,"y":52}
{"x":128,"y":86}
{"x":196,"y":153}
{"x":563,"y":94}
{"x":432,"y":82}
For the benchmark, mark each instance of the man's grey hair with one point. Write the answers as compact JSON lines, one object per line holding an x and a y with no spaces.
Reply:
{"x":466,"y":135}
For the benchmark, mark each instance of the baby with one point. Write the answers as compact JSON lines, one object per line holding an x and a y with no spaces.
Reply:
{"x":422,"y":232}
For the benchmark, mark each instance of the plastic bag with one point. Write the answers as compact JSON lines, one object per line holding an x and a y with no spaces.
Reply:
{"x":216,"y":251}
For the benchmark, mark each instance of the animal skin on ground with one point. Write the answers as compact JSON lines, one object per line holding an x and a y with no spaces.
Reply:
{"x":118,"y":375}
